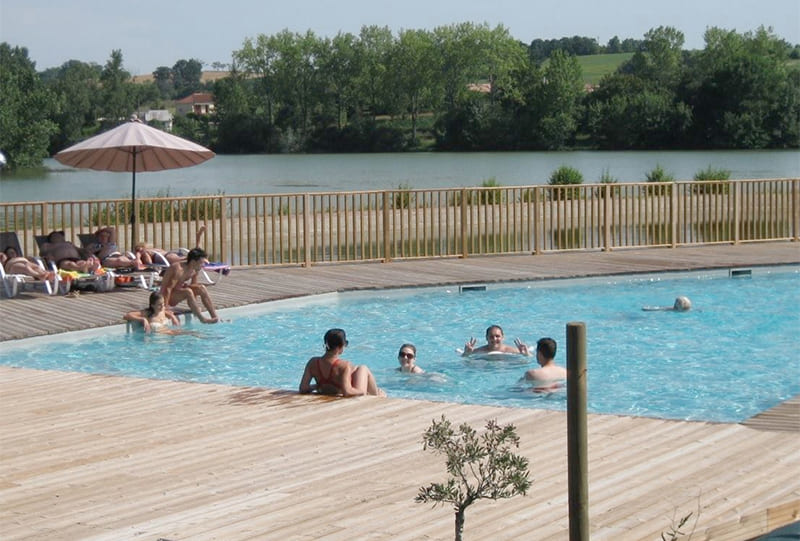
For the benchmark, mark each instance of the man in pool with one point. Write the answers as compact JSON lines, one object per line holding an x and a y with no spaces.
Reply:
{"x":494,"y":344}
{"x":549,"y":376}
{"x":180,"y":284}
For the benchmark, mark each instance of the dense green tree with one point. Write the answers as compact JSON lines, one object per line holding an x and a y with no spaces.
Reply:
{"x":339,"y":68}
{"x":554,"y":103}
{"x":186,"y":77}
{"x":26,"y":109}
{"x":115,"y":105}
{"x":162,"y":77}
{"x":742,"y":92}
{"x":372,"y":82}
{"x":75,"y":85}
{"x":659,"y":62}
{"x":413,"y":67}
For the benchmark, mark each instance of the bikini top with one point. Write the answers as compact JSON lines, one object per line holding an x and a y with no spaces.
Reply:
{"x":322,"y":380}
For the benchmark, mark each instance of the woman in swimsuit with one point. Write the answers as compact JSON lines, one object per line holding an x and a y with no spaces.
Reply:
{"x":155,"y":318}
{"x":335,"y":376}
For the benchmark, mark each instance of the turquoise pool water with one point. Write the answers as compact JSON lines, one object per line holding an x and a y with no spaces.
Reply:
{"x":733,"y":355}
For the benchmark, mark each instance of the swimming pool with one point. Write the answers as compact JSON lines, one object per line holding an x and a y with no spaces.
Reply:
{"x":729,"y":358}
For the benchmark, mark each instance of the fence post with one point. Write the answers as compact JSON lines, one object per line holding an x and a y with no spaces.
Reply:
{"x":607,"y":194}
{"x":577,"y":440}
{"x":537,"y":248}
{"x":306,"y":231}
{"x":674,"y":188}
{"x":223,"y":228}
{"x":387,"y":253}
{"x":737,"y":211}
{"x":464,"y":240}
{"x":796,"y":205}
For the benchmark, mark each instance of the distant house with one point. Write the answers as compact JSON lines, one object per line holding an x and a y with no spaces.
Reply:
{"x":162,"y":116}
{"x":199,"y":103}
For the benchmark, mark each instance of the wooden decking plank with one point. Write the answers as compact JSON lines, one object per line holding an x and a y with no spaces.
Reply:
{"x":123,"y":458}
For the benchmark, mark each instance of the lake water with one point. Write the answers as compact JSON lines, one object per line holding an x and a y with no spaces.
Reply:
{"x":292,"y":173}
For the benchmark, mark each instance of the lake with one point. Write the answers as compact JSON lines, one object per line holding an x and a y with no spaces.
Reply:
{"x":292,"y":173}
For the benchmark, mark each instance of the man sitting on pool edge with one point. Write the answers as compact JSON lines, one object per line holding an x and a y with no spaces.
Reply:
{"x":179,"y":283}
{"x":549,"y":376}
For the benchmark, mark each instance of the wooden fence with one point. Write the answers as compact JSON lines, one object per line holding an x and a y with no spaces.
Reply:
{"x":313,"y":228}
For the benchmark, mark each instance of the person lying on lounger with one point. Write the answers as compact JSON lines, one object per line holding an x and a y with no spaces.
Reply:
{"x":13,"y":263}
{"x":106,"y":250}
{"x":335,"y":376}
{"x":179,"y":283}
{"x":148,"y":255}
{"x":494,"y":344}
{"x":66,"y":255}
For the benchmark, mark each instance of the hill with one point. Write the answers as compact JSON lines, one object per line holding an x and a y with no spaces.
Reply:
{"x":205,"y":77}
{"x":596,"y":65}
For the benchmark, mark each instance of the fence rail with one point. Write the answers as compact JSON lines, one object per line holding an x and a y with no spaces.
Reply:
{"x":313,"y":228}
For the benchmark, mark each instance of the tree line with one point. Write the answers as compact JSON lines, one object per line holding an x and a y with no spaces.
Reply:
{"x":464,"y":87}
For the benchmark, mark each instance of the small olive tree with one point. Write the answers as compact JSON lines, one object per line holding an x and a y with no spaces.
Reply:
{"x":479,"y":467}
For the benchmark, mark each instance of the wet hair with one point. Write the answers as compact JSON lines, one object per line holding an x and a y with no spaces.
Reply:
{"x":196,"y":254}
{"x":155,"y":296}
{"x":547,"y":347}
{"x":498,"y":327}
{"x":10,"y":248}
{"x":407,"y":346}
{"x":682,"y":304}
{"x":335,"y":338}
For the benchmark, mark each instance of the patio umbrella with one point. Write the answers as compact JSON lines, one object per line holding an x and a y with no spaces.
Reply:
{"x":135,"y":147}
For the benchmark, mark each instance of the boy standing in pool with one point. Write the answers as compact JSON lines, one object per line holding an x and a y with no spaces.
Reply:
{"x":549,"y":375}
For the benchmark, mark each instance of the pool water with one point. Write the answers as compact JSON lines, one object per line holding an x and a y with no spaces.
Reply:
{"x":730,"y":357}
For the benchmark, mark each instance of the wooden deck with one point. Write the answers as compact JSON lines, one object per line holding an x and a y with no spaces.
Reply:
{"x":99,"y":457}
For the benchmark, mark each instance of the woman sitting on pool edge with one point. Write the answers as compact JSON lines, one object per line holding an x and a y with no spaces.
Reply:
{"x":407,"y":357}
{"x":336,"y":376}
{"x":156,"y":318}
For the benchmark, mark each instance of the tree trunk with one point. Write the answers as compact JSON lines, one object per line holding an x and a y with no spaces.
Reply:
{"x":459,"y":524}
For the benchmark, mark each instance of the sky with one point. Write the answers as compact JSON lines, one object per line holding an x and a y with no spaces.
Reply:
{"x":153,"y":33}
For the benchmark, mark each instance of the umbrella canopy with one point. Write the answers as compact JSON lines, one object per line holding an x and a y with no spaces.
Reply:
{"x":135,"y":147}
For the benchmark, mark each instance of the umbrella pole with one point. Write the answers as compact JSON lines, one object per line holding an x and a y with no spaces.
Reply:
{"x":133,"y":205}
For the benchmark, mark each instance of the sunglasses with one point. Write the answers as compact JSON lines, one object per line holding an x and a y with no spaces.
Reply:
{"x":405,"y":355}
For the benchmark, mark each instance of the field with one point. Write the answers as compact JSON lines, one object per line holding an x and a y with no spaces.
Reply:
{"x":596,"y":65}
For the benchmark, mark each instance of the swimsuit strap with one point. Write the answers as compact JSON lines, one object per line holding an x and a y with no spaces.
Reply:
{"x":326,"y":380}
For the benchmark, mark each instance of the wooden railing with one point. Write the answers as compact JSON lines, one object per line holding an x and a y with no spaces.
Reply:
{"x":313,"y":228}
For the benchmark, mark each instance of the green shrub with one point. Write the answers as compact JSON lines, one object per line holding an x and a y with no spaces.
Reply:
{"x":659,"y":174}
{"x":403,"y":197}
{"x":479,"y":467}
{"x":606,"y":178}
{"x":709,"y":173}
{"x":566,"y":175}
{"x":491,"y":197}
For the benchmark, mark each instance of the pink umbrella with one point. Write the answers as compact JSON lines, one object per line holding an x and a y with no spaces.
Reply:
{"x":134,"y":146}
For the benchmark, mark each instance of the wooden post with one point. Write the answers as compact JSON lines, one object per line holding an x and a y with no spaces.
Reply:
{"x":387,"y":224}
{"x":577,"y":441}
{"x":306,"y":231}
